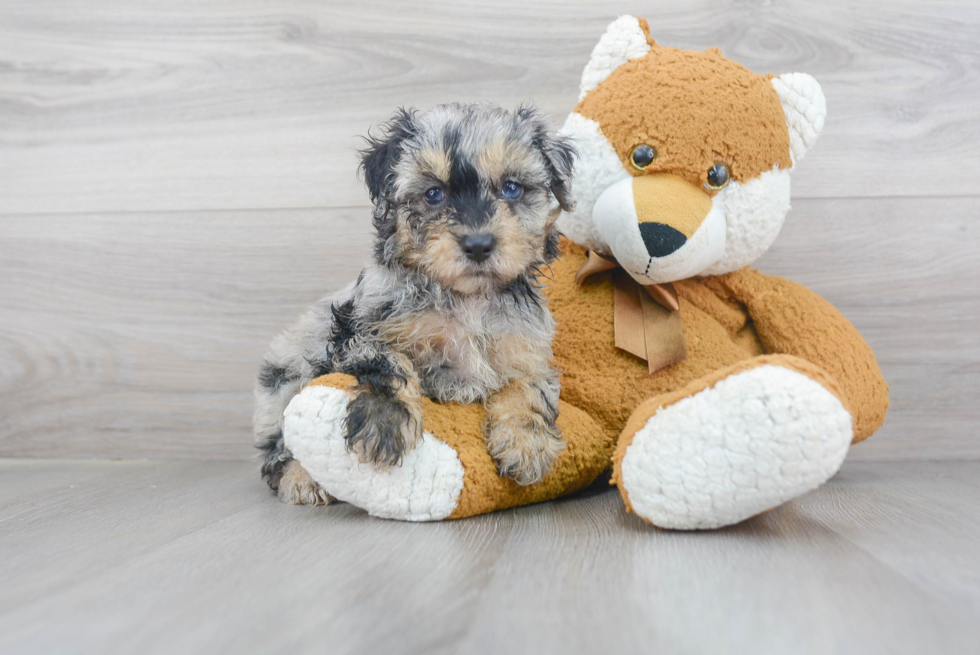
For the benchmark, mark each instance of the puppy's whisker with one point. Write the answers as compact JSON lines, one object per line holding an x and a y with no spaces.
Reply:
{"x":539,"y":273}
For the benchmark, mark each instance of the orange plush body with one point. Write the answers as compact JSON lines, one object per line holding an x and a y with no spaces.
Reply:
{"x":774,"y":384}
{"x":732,"y":322}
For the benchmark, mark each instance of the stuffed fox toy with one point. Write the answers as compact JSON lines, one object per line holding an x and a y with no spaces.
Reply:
{"x":713,"y":391}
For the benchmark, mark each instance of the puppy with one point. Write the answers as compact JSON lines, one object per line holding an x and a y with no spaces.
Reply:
{"x":464,"y":209}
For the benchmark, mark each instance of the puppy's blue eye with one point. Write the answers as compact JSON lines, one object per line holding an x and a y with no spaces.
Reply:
{"x":435,"y":195}
{"x":511,"y":190}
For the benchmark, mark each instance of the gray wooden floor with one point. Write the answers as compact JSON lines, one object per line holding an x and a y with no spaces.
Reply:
{"x":192,"y":557}
{"x":177,"y":181}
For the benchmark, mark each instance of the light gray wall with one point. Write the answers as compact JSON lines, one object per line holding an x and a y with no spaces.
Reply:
{"x":177,"y":181}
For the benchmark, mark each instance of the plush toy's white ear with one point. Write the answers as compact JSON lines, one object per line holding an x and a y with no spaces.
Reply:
{"x":624,"y":39}
{"x":805,"y":108}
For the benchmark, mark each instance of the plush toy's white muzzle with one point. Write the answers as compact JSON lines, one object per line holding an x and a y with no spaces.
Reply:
{"x":660,"y":228}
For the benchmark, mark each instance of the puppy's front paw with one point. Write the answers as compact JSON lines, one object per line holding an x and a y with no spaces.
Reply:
{"x":380,"y":429}
{"x":524,"y":451}
{"x":297,"y":487}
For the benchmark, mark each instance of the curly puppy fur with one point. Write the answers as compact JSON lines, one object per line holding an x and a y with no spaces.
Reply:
{"x":435,"y":315}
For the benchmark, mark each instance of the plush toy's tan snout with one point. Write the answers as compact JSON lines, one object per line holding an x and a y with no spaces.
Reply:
{"x":660,"y":227}
{"x":669,"y":211}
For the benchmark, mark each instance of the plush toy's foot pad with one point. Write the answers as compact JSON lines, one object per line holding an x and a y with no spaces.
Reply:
{"x":426,"y":487}
{"x":750,"y":442}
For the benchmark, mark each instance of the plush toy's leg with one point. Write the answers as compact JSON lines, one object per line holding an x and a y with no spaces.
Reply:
{"x":448,"y":475}
{"x":732,"y":445}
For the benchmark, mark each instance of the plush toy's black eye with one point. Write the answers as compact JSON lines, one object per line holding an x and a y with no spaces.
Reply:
{"x":511,"y":190}
{"x":434,"y":196}
{"x":642,"y":156}
{"x":718,"y":176}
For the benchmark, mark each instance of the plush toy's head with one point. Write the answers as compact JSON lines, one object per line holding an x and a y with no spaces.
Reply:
{"x":684,"y":155}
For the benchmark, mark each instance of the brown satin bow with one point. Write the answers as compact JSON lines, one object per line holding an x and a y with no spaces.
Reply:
{"x":646,"y":318}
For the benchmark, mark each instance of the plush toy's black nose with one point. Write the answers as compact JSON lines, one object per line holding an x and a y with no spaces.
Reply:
{"x":478,"y":246}
{"x":660,"y":239}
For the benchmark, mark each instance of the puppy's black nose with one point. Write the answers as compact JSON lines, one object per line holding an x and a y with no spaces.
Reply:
{"x":660,"y":239}
{"x":478,"y":246}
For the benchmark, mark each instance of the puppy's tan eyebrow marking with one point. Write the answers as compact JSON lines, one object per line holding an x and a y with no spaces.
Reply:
{"x":494,"y":159}
{"x":434,"y":162}
{"x":506,"y":159}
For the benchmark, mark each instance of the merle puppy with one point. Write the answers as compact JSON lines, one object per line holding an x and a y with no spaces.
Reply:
{"x":464,"y":209}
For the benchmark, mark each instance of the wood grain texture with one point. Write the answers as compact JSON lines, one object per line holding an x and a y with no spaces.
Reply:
{"x":902,"y":270}
{"x":136,"y":336}
{"x":141,"y":276}
{"x":139,"y":335}
{"x":178,"y":183}
{"x":193,"y":557}
{"x":247,"y":104}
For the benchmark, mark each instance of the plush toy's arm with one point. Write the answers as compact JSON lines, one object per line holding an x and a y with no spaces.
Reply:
{"x":449,"y":474}
{"x":790,"y":319}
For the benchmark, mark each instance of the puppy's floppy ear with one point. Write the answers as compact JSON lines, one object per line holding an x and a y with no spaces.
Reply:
{"x":378,"y":159}
{"x":559,"y":154}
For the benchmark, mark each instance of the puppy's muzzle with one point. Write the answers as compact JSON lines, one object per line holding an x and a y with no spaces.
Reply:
{"x":477,"y":247}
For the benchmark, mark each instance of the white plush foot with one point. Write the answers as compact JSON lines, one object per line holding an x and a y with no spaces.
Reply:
{"x":751,"y":442}
{"x":425,"y":487}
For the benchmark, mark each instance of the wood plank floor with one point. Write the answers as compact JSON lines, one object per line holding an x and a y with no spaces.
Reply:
{"x":192,"y":557}
{"x":177,"y":181}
